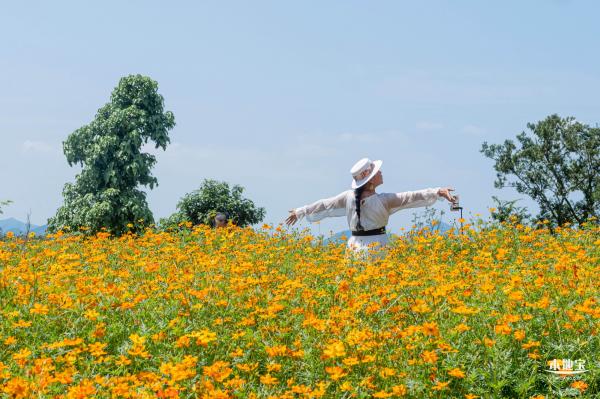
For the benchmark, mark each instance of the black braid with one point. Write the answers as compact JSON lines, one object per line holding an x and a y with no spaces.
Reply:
{"x":357,"y":193}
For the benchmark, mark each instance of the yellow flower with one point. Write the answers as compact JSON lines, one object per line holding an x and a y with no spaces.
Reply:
{"x":351,"y":361}
{"x":439,"y":386}
{"x":430,"y":328}
{"x":91,"y":314}
{"x":122,"y":361}
{"x":17,"y":387}
{"x":387,"y":372}
{"x":429,"y":356}
{"x":218,"y":371}
{"x":183,"y":342}
{"x":39,"y":308}
{"x":382,"y":394}
{"x":579,"y":385}
{"x":420,"y":306}
{"x":237,"y":353}
{"x":97,"y":349}
{"x":21,"y":324}
{"x":399,"y":390}
{"x":335,"y":372}
{"x":530,"y":344}
{"x":456,"y":373}
{"x":267,"y":379}
{"x":277,"y":350}
{"x":335,"y":349}
{"x":273,"y":367}
{"x":503,"y":329}
{"x":462,"y":327}
{"x":247,"y":367}
{"x":22,"y":354}
{"x":203,"y":337}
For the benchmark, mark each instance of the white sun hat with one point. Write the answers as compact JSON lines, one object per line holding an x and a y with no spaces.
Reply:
{"x":363,"y":171}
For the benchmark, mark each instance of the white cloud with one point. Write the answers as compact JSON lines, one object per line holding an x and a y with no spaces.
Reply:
{"x":427,"y":125}
{"x":36,"y":146}
{"x":474,"y":130}
{"x":465,"y":88}
{"x":359,"y":137}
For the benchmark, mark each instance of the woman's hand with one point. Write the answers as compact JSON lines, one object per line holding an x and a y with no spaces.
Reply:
{"x":292,"y":219}
{"x":445,"y":192}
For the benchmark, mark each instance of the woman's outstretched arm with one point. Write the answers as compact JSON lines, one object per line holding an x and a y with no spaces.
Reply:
{"x":328,"y":207}
{"x":415,"y":199}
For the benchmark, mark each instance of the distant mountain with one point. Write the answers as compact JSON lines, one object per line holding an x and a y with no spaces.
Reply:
{"x":20,"y":228}
{"x":442,"y":227}
{"x":337,"y":237}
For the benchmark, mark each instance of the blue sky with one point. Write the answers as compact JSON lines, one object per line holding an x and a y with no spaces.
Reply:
{"x":284,"y":97}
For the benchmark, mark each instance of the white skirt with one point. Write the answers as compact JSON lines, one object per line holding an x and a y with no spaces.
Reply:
{"x":362,"y":244}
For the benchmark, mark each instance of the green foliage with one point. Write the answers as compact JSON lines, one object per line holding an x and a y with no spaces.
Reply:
{"x":199,"y":206}
{"x":427,"y":218}
{"x":105,"y":194}
{"x":4,"y":203}
{"x":509,"y":212}
{"x":558,"y":167}
{"x":172,"y":222}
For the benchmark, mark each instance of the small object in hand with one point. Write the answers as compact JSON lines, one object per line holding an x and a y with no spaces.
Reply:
{"x":454,"y":205}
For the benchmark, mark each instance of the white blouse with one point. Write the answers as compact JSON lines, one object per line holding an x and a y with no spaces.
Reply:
{"x":375,"y":211}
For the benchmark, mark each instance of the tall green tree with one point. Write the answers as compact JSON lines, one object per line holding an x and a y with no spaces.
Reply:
{"x":106,"y":193}
{"x":508,"y":212}
{"x":4,"y":203}
{"x":557,"y":165}
{"x":213,"y":196}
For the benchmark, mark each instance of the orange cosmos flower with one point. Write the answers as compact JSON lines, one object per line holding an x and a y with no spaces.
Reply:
{"x":420,"y":306}
{"x":530,"y":344}
{"x":21,"y":324}
{"x":183,"y":342}
{"x":430,"y":329}
{"x":456,"y":373}
{"x":579,"y":385}
{"x":335,"y":372}
{"x":336,"y":349}
{"x":91,"y":314}
{"x":203,"y":337}
{"x":277,"y":350}
{"x":399,"y":390}
{"x":267,"y":379}
{"x":218,"y":371}
{"x":39,"y":308}
{"x":382,"y":394}
{"x":519,"y":335}
{"x":22,"y":354}
{"x":351,"y":361}
{"x":503,"y":329}
{"x":429,"y":356}
{"x":440,"y":386}
{"x":17,"y":388}
{"x":97,"y":349}
{"x":462,"y":327}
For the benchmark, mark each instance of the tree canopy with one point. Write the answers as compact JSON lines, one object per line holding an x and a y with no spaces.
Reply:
{"x":199,"y":206}
{"x":557,"y":165}
{"x":4,"y":203}
{"x":105,"y":194}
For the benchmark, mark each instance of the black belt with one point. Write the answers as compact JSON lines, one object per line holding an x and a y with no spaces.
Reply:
{"x":374,"y":232}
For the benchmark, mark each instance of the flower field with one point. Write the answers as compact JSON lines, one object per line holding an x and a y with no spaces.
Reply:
{"x":238,"y":313}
